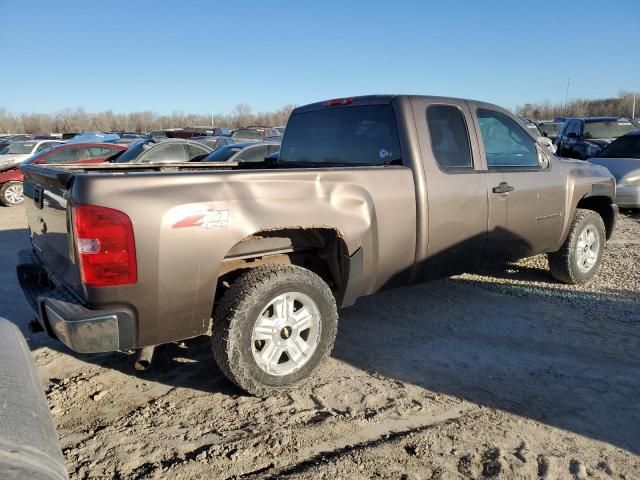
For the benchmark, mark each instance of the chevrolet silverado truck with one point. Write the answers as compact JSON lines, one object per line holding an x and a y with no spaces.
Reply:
{"x":367,"y":193}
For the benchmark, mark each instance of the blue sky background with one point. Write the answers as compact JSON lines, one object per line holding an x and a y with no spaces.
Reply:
{"x":200,"y":57}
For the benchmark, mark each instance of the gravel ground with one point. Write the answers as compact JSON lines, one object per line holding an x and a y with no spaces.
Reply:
{"x":504,"y":374}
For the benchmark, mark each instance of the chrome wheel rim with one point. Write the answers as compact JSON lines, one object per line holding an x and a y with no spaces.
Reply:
{"x":588,"y":248}
{"x":286,"y":334}
{"x":14,"y":194}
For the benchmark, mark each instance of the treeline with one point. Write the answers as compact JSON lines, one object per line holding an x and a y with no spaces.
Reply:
{"x":621,"y":105}
{"x":78,"y":120}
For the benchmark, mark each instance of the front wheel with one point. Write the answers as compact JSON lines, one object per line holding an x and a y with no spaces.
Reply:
{"x":11,"y":194}
{"x":580,"y":256}
{"x":273,"y":327}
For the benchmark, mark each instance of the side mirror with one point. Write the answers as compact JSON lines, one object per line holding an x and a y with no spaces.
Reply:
{"x":572,"y":135}
{"x":543,"y":158}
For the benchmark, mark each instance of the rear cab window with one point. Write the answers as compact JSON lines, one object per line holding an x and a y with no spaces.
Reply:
{"x":449,"y":137}
{"x":365,"y":135}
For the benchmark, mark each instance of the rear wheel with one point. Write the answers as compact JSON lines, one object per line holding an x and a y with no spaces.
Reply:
{"x":580,"y":256}
{"x":273,"y":327}
{"x":11,"y":194}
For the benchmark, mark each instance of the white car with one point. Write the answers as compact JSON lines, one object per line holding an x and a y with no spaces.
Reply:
{"x":17,"y":152}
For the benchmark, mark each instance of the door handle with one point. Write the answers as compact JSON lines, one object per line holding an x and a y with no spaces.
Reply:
{"x":504,"y":187}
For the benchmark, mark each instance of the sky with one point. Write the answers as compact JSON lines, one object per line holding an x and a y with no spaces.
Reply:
{"x":205,"y":57}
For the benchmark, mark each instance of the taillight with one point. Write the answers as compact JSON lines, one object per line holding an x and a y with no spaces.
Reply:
{"x":106,"y":247}
{"x":339,"y":101}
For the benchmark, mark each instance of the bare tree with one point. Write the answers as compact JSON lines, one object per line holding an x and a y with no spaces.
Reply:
{"x":77,"y":120}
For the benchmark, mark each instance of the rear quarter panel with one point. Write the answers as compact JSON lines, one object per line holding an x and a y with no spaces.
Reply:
{"x":372,"y":209}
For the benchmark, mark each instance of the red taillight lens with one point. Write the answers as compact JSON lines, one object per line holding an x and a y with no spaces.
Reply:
{"x":106,"y":247}
{"x":339,"y":101}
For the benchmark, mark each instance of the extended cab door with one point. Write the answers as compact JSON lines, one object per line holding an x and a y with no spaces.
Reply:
{"x":525,"y":187}
{"x":455,"y":185}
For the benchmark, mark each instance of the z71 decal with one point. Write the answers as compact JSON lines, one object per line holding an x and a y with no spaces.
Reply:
{"x":205,"y":219}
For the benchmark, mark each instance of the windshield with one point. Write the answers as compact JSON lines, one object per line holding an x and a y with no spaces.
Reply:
{"x":17,"y":148}
{"x":364,"y":135}
{"x":604,"y":129}
{"x":625,"y":147}
{"x":222,"y":154}
{"x":134,"y":152}
{"x":248,"y":133}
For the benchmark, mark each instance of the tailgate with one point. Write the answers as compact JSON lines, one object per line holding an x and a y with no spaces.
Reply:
{"x":46,"y":192}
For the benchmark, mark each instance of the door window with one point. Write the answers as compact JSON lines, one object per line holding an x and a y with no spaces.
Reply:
{"x":44,"y":146}
{"x":252,"y":154}
{"x":194,"y":151}
{"x":63,"y":155}
{"x":449,"y":137}
{"x":506,"y":144}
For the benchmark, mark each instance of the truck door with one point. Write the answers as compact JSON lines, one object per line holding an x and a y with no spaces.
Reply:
{"x":525,"y":188}
{"x":455,"y":185}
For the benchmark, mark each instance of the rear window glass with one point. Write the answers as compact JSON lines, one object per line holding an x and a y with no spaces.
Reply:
{"x":249,"y":134}
{"x":449,"y":137}
{"x":365,"y":135}
{"x":607,"y":129}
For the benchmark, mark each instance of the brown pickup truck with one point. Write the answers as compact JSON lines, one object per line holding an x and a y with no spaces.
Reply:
{"x":368,"y":193}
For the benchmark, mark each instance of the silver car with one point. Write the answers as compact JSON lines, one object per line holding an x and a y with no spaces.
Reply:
{"x":622,"y":158}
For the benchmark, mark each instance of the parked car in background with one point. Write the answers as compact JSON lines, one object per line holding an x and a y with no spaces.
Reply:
{"x":16,"y":152}
{"x":155,"y":150}
{"x":7,"y":139}
{"x":253,"y":134}
{"x":550,"y":129}
{"x":583,"y":138}
{"x":190,"y":132}
{"x":243,"y":152}
{"x":281,"y":129}
{"x":622,"y":159}
{"x":536,"y":132}
{"x":11,"y":177}
{"x":213,"y":142}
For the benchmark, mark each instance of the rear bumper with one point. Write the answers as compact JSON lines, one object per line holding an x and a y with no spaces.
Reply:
{"x":628,"y":197}
{"x":65,"y":316}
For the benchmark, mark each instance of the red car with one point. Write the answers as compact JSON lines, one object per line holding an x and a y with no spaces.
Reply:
{"x":11,"y":178}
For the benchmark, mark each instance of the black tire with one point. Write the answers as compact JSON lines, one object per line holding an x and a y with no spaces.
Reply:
{"x":238,"y":312}
{"x":563,"y":264}
{"x":4,"y":194}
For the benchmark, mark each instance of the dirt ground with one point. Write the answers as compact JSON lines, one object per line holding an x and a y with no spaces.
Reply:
{"x":503,"y":375}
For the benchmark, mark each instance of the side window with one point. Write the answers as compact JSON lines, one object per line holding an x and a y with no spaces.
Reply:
{"x":107,"y":152}
{"x":43,"y":146}
{"x":252,"y":154}
{"x":89,"y":153}
{"x":505,"y":142}
{"x":449,"y":137}
{"x":574,"y":128}
{"x":64,"y":155}
{"x":194,"y":151}
{"x":578,"y":129}
{"x":173,"y":152}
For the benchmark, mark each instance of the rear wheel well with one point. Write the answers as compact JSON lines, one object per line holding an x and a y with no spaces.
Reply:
{"x":320,"y":250}
{"x":602,"y":206}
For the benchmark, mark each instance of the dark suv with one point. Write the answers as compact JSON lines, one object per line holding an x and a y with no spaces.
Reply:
{"x":583,"y":138}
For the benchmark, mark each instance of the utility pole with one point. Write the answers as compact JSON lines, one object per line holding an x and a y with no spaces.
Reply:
{"x":633,"y":108}
{"x":212,"y":120}
{"x":566,"y":97}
